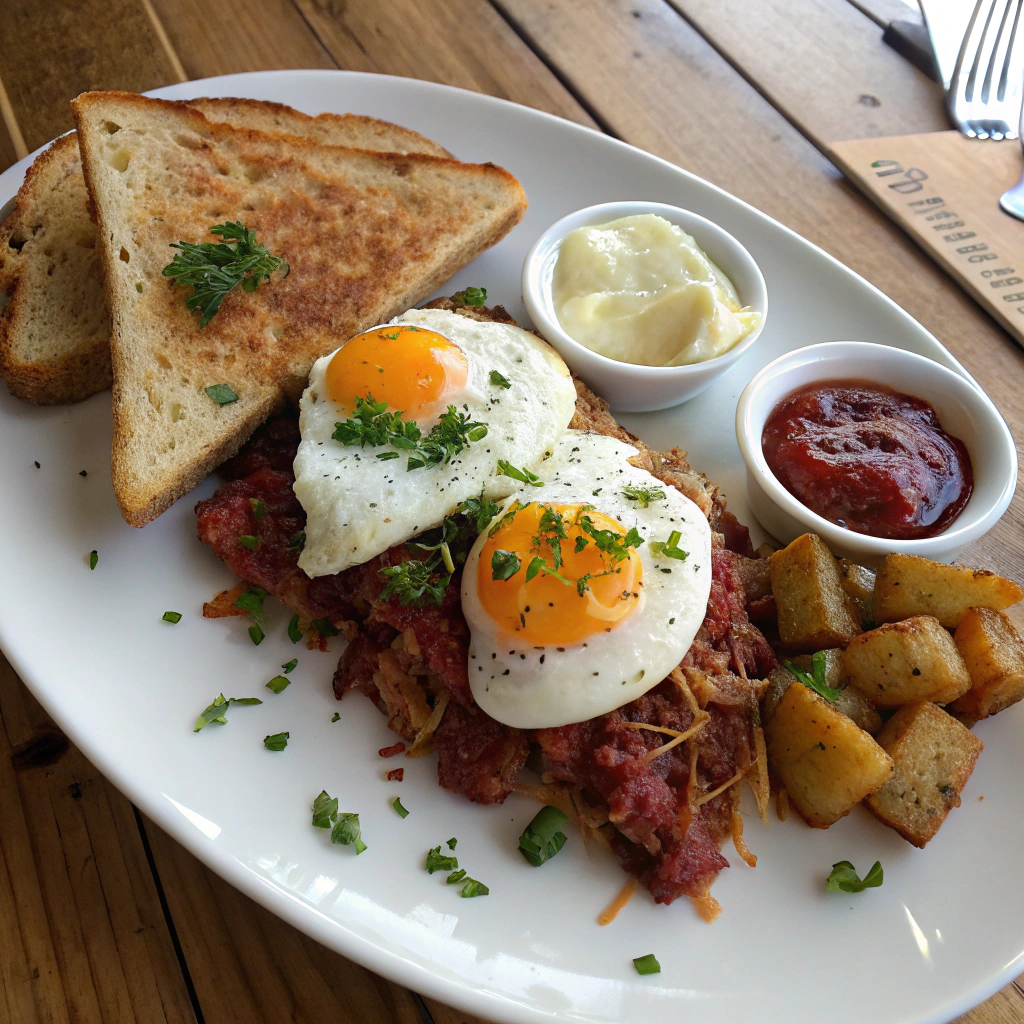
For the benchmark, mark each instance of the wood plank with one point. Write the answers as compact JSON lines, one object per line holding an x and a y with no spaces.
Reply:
{"x":1005,"y":1007}
{"x":461,"y":42}
{"x":50,"y":52}
{"x":86,"y":940}
{"x":826,"y":69}
{"x":249,"y":966}
{"x":673,"y":72}
{"x":229,"y":36}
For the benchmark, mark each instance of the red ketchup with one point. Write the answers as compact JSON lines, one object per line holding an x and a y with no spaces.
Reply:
{"x":868,"y":458}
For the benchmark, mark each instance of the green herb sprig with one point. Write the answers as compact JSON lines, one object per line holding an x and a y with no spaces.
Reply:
{"x":844,"y":878}
{"x":276,"y":742}
{"x":470,"y":297}
{"x":216,"y":713}
{"x":815,"y":680}
{"x":344,"y":827}
{"x":644,"y":495}
{"x":213,"y":269}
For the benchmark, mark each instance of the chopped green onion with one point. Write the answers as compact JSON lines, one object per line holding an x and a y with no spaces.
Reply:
{"x":670,"y":548}
{"x":294,"y":633}
{"x":437,"y":861}
{"x":172,"y":617}
{"x":543,"y":838}
{"x":647,"y":964}
{"x":222,"y":394}
{"x":397,"y":804}
{"x":644,"y":495}
{"x":473,"y":888}
{"x":325,"y":627}
{"x":276,"y":742}
{"x":499,"y":381}
{"x":217,"y":711}
{"x":259,"y":507}
{"x":456,"y":876}
{"x":336,"y":718}
{"x":289,"y":665}
{"x":278,"y":683}
{"x":247,"y":540}
{"x":256,"y":634}
{"x":93,"y":559}
{"x":251,"y":601}
{"x":844,"y":878}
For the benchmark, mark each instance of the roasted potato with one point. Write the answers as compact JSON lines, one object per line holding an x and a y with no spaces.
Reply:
{"x":934,"y":756}
{"x":907,"y":585}
{"x":825,"y":762}
{"x":850,"y":701}
{"x":859,"y":584}
{"x":901,"y":662}
{"x":993,"y":652}
{"x":814,"y":611}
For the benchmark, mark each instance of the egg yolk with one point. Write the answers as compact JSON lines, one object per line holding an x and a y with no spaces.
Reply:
{"x":411,"y":368}
{"x":546,"y":609}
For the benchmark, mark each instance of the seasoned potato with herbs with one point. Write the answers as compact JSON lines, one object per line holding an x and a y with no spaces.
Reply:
{"x":934,"y":756}
{"x":993,"y":652}
{"x":850,"y":700}
{"x":859,"y":584}
{"x":907,"y":585}
{"x":901,"y":662}
{"x":825,"y":762}
{"x":814,"y":611}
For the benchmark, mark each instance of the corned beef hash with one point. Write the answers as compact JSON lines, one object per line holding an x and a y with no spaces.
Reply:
{"x":520,"y":581}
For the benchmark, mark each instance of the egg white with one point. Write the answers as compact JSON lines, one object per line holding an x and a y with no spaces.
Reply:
{"x":358,"y":506}
{"x":538,"y":687}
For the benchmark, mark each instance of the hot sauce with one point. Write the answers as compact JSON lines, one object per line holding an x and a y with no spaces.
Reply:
{"x":868,"y":458}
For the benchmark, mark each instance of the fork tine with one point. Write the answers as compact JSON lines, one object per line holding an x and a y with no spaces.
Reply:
{"x":1008,"y":58}
{"x":993,"y":61}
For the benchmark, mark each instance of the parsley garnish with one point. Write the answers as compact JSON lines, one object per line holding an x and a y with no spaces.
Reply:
{"x":815,"y":680}
{"x":644,"y":495}
{"x":452,"y":843}
{"x":325,"y":810}
{"x":171,"y":617}
{"x":414,"y":582}
{"x":499,"y":380}
{"x":93,"y":559}
{"x":251,"y":601}
{"x":470,"y":297}
{"x":259,"y":508}
{"x":289,"y":665}
{"x":480,"y":511}
{"x":276,"y":742}
{"x":336,"y":717}
{"x":506,"y":468}
{"x":324,"y":627}
{"x":217,"y":711}
{"x":222,"y":394}
{"x":647,"y":964}
{"x":297,"y":542}
{"x":613,"y":543}
{"x":543,"y":838}
{"x":372,"y":425}
{"x":437,"y":861}
{"x":397,"y":804}
{"x":344,"y":827}
{"x":504,"y":564}
{"x":844,"y":877}
{"x":294,"y":633}
{"x":669,"y":548}
{"x":213,"y":269}
{"x":248,"y":540}
{"x":278,"y":683}
{"x":456,"y":876}
{"x":473,"y":888}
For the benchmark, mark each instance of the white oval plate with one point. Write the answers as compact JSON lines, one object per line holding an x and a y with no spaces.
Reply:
{"x":945,"y":930}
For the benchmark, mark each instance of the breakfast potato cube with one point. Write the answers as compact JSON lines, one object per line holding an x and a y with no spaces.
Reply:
{"x":851,"y":702}
{"x":907,"y":585}
{"x":934,"y":756}
{"x":993,"y":652}
{"x":814,"y":611}
{"x":825,"y":762}
{"x":906,"y":661}
{"x":859,"y":584}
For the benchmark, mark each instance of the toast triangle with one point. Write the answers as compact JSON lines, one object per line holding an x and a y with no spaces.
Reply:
{"x":366,"y":235}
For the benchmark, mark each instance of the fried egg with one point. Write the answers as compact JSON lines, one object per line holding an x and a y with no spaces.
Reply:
{"x":362,"y":498}
{"x":547,"y":650}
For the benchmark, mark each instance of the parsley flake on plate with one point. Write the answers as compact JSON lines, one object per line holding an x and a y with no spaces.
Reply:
{"x":174,"y":617}
{"x":222,"y":394}
{"x":289,"y":665}
{"x":278,"y":683}
{"x":216,"y":713}
{"x":499,"y":380}
{"x":543,"y":838}
{"x":344,"y":827}
{"x":93,"y":559}
{"x":397,"y":804}
{"x":294,"y":633}
{"x":437,"y":861}
{"x":647,"y":964}
{"x":844,"y":878}
{"x":276,"y":742}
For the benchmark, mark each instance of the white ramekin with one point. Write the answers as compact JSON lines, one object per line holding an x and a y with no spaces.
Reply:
{"x":964,"y":411}
{"x":628,"y":387}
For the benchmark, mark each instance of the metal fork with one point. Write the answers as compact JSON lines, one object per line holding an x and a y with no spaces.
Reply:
{"x":984,"y":97}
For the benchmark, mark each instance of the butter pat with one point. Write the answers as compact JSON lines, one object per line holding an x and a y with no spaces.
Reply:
{"x":640,"y":290}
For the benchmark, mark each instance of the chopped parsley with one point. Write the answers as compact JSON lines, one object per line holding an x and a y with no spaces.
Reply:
{"x":611,"y":542}
{"x":470,"y":297}
{"x":473,"y":888}
{"x":93,"y":559}
{"x":669,"y":548}
{"x":504,"y":564}
{"x":543,"y":838}
{"x":324,"y":627}
{"x":276,"y":742}
{"x":213,"y":269}
{"x":251,"y":600}
{"x":289,"y":665}
{"x":256,"y":634}
{"x":505,"y":468}
{"x":248,"y":540}
{"x":402,"y":812}
{"x":344,"y":827}
{"x":647,"y":964}
{"x":452,"y":843}
{"x":437,"y":861}
{"x":456,"y":876}
{"x":216,"y":713}
{"x":294,"y":633}
{"x":372,"y":425}
{"x":499,"y":380}
{"x":278,"y":683}
{"x":815,"y":680}
{"x":171,"y":617}
{"x":325,"y":810}
{"x":336,"y":717}
{"x":644,"y":495}
{"x":298,"y":542}
{"x":259,"y":508}
{"x":222,"y":394}
{"x":844,"y":878}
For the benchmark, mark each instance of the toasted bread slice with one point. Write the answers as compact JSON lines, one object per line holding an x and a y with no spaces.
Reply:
{"x":55,"y":330}
{"x":366,"y":235}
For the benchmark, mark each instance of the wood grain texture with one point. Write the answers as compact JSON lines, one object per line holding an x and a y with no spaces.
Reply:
{"x":231,"y":36}
{"x":459,"y":42}
{"x":826,"y":66}
{"x":52,"y":51}
{"x":757,"y":155}
{"x":82,"y":936}
{"x":1005,"y":1007}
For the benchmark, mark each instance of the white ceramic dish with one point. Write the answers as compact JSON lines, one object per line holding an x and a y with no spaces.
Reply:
{"x":126,"y":687}
{"x":629,"y":387}
{"x":964,"y":410}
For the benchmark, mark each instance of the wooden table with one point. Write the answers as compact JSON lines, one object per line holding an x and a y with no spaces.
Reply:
{"x":103,"y":918}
